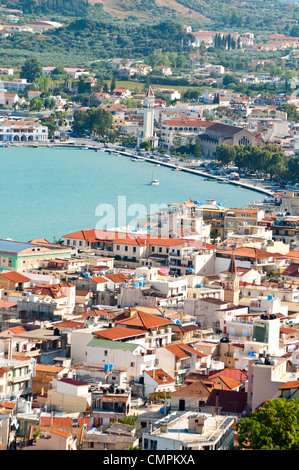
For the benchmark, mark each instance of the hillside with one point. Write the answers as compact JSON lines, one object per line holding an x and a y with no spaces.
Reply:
{"x":145,"y":9}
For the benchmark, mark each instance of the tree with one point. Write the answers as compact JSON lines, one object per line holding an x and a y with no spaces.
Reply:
{"x":197,"y":149}
{"x":213,"y":235}
{"x":100,"y":120}
{"x":36,"y":104}
{"x":145,"y":145}
{"x":225,"y":154}
{"x":274,"y":426}
{"x":94,"y":120}
{"x":31,"y":70}
{"x":80,"y":122}
{"x":292,"y":172}
{"x":113,"y":84}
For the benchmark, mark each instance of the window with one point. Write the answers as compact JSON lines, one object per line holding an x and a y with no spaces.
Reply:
{"x":126,"y":248}
{"x":105,"y":353}
{"x":134,"y":249}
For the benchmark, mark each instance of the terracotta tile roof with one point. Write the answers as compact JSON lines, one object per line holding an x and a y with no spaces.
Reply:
{"x":67,"y":435}
{"x":187,"y":122}
{"x":292,"y":270}
{"x":77,"y":383}
{"x":288,"y":331}
{"x":14,"y":276}
{"x":16,"y":330}
{"x":229,"y":401}
{"x":116,"y":278}
{"x":48,"y":368}
{"x":69,"y":324}
{"x":235,"y":374}
{"x":288,"y":385}
{"x":59,"y":421}
{"x":160,"y":376}
{"x":5,"y":304}
{"x":118,"y":332}
{"x":8,"y":405}
{"x":108,"y":236}
{"x":99,"y":280}
{"x":51,"y":290}
{"x":96,"y":313}
{"x":183,"y":351}
{"x":65,"y":422}
{"x":144,"y":320}
{"x":200,"y":389}
{"x":247,"y":252}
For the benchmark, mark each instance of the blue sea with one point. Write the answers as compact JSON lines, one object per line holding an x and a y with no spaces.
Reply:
{"x":50,"y":192}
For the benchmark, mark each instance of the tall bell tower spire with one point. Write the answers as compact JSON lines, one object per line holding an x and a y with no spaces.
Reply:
{"x":148,"y":133}
{"x":231,"y":284}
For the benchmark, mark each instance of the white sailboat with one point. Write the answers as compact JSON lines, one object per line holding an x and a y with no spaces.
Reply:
{"x":154,"y":182}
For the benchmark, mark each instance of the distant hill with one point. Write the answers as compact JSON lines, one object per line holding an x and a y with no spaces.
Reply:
{"x":147,"y":8}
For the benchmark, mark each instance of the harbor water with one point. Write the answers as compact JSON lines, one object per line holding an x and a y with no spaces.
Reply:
{"x":49,"y":192}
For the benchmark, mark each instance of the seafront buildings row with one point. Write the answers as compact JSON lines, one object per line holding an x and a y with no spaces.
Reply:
{"x":184,"y":333}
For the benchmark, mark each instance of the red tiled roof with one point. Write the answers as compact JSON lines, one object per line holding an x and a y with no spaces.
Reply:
{"x":64,"y":422}
{"x":48,"y":368}
{"x":70,"y":324}
{"x":16,"y":330}
{"x":144,"y":320}
{"x":247,"y":252}
{"x":183,"y":351}
{"x":229,"y":401}
{"x":7,"y":404}
{"x":99,"y":280}
{"x":118,"y":332}
{"x":14,"y":276}
{"x":160,"y":376}
{"x":235,"y":374}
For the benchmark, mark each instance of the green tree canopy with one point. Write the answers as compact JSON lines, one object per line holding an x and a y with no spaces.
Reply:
{"x":31,"y":70}
{"x":94,"y":120}
{"x":225,"y":154}
{"x":274,"y":426}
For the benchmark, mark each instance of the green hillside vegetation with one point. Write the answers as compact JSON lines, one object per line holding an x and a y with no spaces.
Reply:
{"x":85,"y":40}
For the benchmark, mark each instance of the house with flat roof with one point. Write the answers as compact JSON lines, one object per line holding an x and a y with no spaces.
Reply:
{"x":20,"y":256}
{"x":191,"y":431}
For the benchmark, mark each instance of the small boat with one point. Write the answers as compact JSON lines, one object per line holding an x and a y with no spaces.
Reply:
{"x":176,"y":169}
{"x":224,"y":181}
{"x":154,"y":182}
{"x":158,"y":164}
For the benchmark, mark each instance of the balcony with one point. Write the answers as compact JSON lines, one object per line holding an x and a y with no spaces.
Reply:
{"x":21,"y":378}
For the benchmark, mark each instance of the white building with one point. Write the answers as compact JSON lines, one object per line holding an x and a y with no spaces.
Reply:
{"x":22,"y":130}
{"x":18,"y":85}
{"x":190,"y":431}
{"x":122,"y":355}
